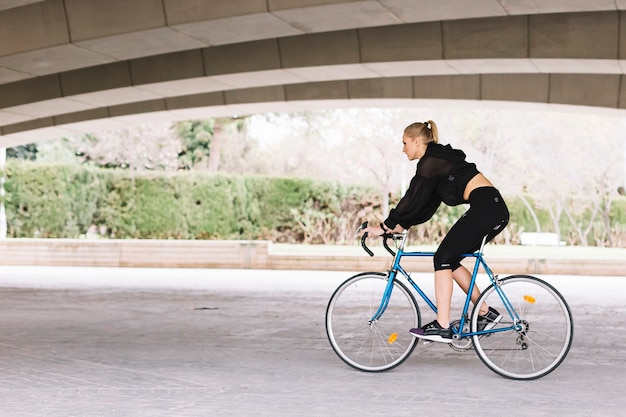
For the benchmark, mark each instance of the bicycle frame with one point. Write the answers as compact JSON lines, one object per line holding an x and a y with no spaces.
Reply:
{"x":396,"y":268}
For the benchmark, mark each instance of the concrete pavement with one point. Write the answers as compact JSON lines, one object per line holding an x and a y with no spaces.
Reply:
{"x":175,"y":342}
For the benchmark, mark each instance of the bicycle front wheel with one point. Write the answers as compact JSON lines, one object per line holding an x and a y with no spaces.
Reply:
{"x":363,"y":343}
{"x":542,"y":334}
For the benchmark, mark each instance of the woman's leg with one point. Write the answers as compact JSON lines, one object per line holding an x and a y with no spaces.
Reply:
{"x":443,"y":296}
{"x":487,"y":215}
{"x":463,"y":278}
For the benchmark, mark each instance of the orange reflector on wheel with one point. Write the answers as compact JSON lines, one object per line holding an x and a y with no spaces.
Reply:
{"x":392,"y":338}
{"x":529,"y":299}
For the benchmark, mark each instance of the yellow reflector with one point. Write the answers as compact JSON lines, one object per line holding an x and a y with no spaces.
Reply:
{"x":392,"y":338}
{"x":529,"y":299}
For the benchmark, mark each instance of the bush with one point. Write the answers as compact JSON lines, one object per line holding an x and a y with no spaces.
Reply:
{"x":60,"y":201}
{"x":143,"y":207}
{"x":64,"y":201}
{"x":213,"y":206}
{"x":51,"y":200}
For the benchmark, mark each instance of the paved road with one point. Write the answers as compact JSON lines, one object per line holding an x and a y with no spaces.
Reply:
{"x":167,"y":342}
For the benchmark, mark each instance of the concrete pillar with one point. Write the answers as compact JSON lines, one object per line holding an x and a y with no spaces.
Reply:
{"x":624,"y":159}
{"x":3,"y":216}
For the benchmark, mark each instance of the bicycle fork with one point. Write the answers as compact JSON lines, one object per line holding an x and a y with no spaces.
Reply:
{"x":386,"y":297}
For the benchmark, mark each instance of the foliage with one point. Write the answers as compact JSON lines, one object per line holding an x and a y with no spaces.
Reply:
{"x":556,"y":178}
{"x":26,"y":152}
{"x":65,"y":201}
{"x":195,"y":137}
{"x":204,"y":140}
{"x":51,"y":200}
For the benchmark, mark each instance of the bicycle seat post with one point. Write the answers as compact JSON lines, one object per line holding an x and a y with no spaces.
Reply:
{"x":482,"y":245}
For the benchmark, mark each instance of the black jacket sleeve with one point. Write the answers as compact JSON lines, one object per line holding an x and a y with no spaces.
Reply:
{"x":417,"y":206}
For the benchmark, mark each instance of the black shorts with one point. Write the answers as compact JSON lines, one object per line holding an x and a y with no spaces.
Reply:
{"x":487,"y":216}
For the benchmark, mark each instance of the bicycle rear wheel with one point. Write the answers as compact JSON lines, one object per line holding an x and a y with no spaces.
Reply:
{"x":371,"y":346}
{"x":544,"y":330}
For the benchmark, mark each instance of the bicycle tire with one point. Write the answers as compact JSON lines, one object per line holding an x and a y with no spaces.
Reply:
{"x":371,"y":346}
{"x":545,"y":332}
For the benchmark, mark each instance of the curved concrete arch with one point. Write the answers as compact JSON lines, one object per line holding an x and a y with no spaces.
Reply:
{"x":499,"y":55}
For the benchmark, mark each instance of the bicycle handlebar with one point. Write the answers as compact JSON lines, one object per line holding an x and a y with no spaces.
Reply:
{"x":385,"y":236}
{"x":363,"y":245}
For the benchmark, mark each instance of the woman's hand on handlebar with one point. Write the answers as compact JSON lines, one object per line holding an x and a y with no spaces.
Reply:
{"x":372,"y":231}
{"x":364,"y":231}
{"x":376,"y":231}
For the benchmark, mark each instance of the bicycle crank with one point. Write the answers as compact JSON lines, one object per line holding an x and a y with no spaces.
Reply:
{"x":463,"y":344}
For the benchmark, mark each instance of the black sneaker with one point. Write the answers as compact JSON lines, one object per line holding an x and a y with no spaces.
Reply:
{"x":489,"y":320}
{"x":433,"y":332}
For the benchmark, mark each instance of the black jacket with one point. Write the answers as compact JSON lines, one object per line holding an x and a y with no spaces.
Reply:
{"x":442,"y":174}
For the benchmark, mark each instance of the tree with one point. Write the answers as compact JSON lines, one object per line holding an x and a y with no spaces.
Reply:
{"x":195,"y":137}
{"x":26,"y":152}
{"x":373,"y":141}
{"x":224,"y":129}
{"x":144,"y":147}
{"x":203,"y":140}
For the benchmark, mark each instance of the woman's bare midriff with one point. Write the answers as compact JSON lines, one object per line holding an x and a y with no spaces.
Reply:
{"x":478,"y":181}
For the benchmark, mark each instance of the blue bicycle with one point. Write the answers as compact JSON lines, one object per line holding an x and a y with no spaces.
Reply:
{"x":369,"y":316}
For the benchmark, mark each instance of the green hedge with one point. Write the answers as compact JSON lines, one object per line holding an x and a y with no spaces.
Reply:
{"x":64,"y":201}
{"x":61,"y":201}
{"x":51,"y":201}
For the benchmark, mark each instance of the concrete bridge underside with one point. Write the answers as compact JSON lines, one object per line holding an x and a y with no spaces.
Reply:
{"x":72,"y":66}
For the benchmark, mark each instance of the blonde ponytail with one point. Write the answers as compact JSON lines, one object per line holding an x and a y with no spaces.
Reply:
{"x":427,"y":130}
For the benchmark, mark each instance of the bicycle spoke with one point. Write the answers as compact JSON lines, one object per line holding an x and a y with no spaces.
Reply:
{"x":371,"y":346}
{"x":542,"y":337}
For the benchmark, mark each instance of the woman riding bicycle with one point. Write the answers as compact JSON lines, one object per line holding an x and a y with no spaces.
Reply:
{"x":443,"y":175}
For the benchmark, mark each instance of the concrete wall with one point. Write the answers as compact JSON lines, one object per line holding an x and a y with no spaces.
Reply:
{"x":72,"y":66}
{"x":252,"y":255}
